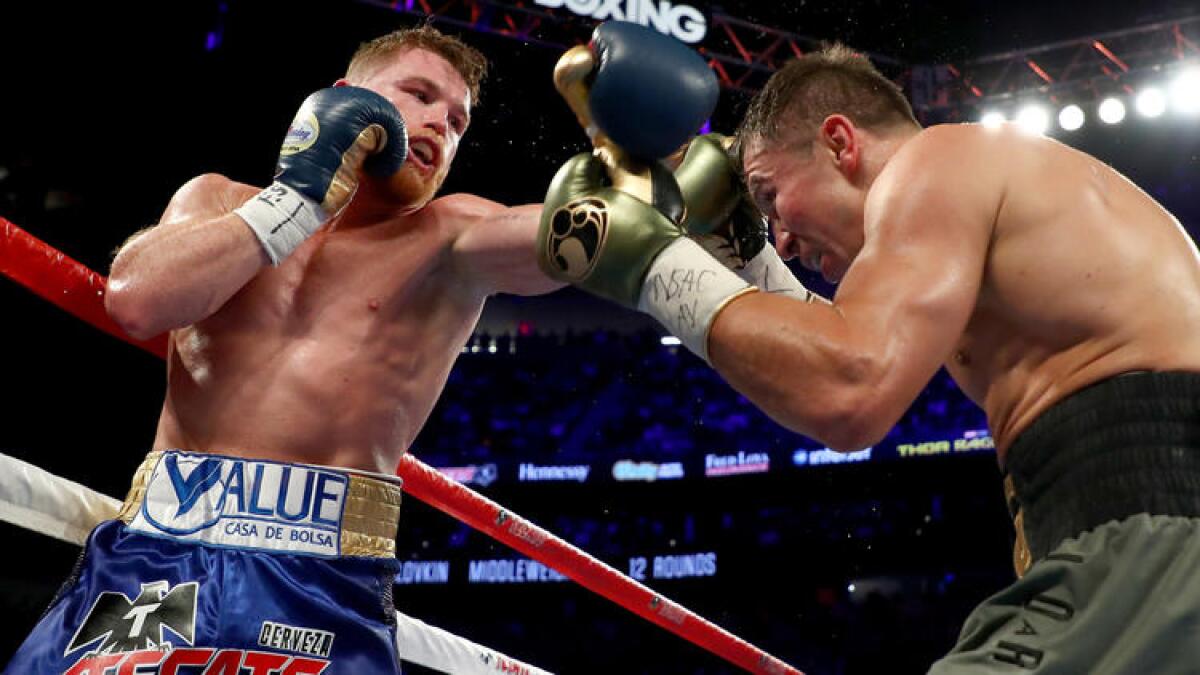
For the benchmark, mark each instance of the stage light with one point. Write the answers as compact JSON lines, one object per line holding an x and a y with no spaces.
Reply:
{"x":1071,"y":117}
{"x":1112,"y":110}
{"x":1033,"y":119}
{"x":992,"y":119}
{"x":1151,"y":102}
{"x":669,"y":341}
{"x":1185,"y":92}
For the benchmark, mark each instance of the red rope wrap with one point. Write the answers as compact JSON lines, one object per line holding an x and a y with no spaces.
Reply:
{"x":71,"y":286}
{"x":62,"y":280}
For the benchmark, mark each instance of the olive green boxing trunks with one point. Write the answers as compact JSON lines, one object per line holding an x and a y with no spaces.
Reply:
{"x":1104,"y":489}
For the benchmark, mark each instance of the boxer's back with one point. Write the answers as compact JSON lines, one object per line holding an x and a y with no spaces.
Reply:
{"x":1086,"y":277}
{"x":335,"y":357}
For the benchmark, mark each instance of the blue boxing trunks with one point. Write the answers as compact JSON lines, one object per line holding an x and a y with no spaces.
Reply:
{"x":227,"y":566}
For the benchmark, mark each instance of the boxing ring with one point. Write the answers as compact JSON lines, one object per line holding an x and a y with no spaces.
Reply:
{"x":54,"y":506}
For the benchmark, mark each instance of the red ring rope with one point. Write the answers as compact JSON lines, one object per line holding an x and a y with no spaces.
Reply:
{"x":71,"y":286}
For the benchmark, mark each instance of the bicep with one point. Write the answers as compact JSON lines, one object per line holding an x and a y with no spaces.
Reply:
{"x":916,"y":282}
{"x":199,"y":214}
{"x":205,"y":197}
{"x":498,"y":249}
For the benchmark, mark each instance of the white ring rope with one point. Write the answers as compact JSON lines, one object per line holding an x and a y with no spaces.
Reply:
{"x":35,"y":499}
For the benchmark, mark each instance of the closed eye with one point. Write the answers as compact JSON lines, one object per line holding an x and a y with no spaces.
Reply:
{"x":765,"y":201}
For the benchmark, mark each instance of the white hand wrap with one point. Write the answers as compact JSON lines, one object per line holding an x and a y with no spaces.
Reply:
{"x":282,"y":219}
{"x":765,"y":270}
{"x":768,"y":271}
{"x":685,"y":289}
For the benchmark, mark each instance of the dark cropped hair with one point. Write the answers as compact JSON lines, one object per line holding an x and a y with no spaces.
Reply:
{"x":808,"y":89}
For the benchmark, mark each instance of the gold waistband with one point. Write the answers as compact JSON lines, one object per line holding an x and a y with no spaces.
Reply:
{"x":369,"y":520}
{"x":1022,"y":558}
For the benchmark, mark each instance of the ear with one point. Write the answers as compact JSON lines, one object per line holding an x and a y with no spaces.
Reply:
{"x":843,"y":140}
{"x":342,"y":82}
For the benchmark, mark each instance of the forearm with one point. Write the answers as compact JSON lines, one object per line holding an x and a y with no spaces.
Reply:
{"x":498,"y":250}
{"x":801,"y":364}
{"x":176,"y":274}
{"x":523,"y":276}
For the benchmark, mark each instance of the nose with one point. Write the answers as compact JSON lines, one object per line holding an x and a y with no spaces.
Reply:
{"x":437,"y":118}
{"x":785,"y":243}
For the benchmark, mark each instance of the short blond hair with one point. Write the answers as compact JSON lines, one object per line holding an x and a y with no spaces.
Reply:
{"x":468,"y":61}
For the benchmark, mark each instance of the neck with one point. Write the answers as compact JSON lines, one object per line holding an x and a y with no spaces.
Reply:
{"x":885,"y":146}
{"x":371,"y":206}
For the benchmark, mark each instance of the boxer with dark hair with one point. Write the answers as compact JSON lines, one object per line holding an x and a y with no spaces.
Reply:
{"x":1064,"y":301}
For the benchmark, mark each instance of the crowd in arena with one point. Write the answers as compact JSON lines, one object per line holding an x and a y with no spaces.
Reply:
{"x":595,"y":395}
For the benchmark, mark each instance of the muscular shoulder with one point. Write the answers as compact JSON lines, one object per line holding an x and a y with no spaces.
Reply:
{"x":469,"y":206}
{"x":950,"y":146}
{"x":462,"y":211}
{"x":966,"y":161}
{"x":940,"y":180}
{"x":207,"y":194}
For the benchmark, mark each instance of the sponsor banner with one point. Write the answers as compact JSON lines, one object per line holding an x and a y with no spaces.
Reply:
{"x":530,"y":473}
{"x":506,"y":571}
{"x":629,"y":470}
{"x":424,"y":572}
{"x":740,"y":463}
{"x":684,"y":22}
{"x":677,"y":566}
{"x":976,"y":440}
{"x":823,"y":456}
{"x":245,"y":504}
{"x":482,"y":475}
{"x":969,"y":441}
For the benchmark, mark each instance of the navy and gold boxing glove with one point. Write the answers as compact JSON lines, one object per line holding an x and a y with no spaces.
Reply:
{"x":337,"y":133}
{"x":648,"y":92}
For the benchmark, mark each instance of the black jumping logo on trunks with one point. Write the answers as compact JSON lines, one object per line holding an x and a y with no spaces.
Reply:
{"x":128,"y":626}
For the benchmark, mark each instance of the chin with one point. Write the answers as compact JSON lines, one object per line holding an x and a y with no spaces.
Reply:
{"x":410,"y":190}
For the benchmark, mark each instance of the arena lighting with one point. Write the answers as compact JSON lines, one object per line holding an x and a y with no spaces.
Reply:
{"x":669,"y":341}
{"x":1112,"y":110}
{"x":992,"y":119}
{"x":1071,"y":117}
{"x":1185,"y":92}
{"x":1151,"y":102}
{"x":1033,"y":119}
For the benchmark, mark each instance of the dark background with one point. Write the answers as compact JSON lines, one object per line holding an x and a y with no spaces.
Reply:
{"x":109,"y":107}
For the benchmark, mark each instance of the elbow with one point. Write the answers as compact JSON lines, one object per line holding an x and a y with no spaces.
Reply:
{"x":852,"y":430}
{"x":130,"y":309}
{"x":855,"y":416}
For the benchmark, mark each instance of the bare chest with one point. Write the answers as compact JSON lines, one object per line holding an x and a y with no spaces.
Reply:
{"x":343,"y":279}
